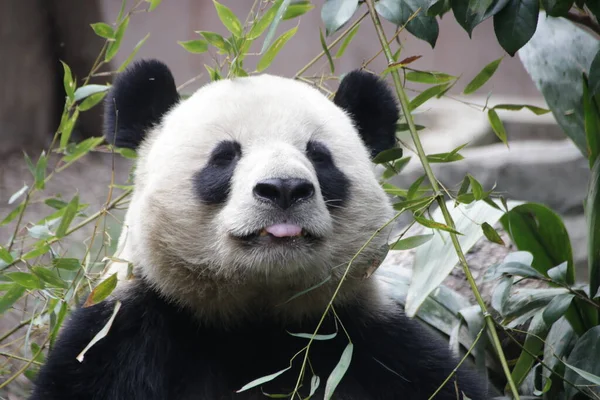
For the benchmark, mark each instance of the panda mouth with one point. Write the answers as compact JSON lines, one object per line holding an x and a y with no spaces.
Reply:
{"x":279,"y":233}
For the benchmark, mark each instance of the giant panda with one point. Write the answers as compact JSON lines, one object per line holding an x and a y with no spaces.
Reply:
{"x":251,"y":201}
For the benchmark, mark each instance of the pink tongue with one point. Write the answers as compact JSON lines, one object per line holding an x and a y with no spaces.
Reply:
{"x":284,"y":230}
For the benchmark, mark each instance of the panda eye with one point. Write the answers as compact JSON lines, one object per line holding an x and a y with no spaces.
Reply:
{"x":225,"y":153}
{"x":318,"y":153}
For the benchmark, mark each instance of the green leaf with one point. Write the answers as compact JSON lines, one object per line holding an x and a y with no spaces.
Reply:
{"x":88,"y":90}
{"x":91,"y":101}
{"x":414,"y":187}
{"x":438,"y":7}
{"x":482,"y":77}
{"x":67,"y":129}
{"x":103,"y":30}
{"x":435,"y":225}
{"x":10,"y":297}
{"x":297,"y":9}
{"x":153,"y":4}
{"x":594,"y":75}
{"x":518,"y":269}
{"x":583,"y":366}
{"x":436,"y":259}
{"x":501,"y":293}
{"x":559,"y":343}
{"x":313,"y":336}
{"x":591,"y":115}
{"x":270,"y":54}
{"x":411,"y":242}
{"x":335,"y":13}
{"x":491,"y":234}
{"x":534,"y":344}
{"x":497,"y":126}
{"x":559,"y":273}
{"x":262,"y":380}
{"x":5,"y":255}
{"x":427,"y":94}
{"x":470,"y":13}
{"x":50,"y":277}
{"x":68,"y":216}
{"x":83,"y":148}
{"x":13,"y":214}
{"x":433,"y":78}
{"x":557,"y":8}
{"x":537,"y":229}
{"x":213,"y":73}
{"x":259,"y":26}
{"x":592,"y":216}
{"x":68,"y":264}
{"x":15,"y":196}
{"x":40,"y":171}
{"x":396,"y":168}
{"x":131,"y":56}
{"x":388,"y":155}
{"x":28,"y":281}
{"x":36,"y":252}
{"x":229,"y":19}
{"x":113,"y":46}
{"x":555,"y":58}
{"x":68,"y":82}
{"x":196,"y":46}
{"x":476,"y":187}
{"x":515,"y":24}
{"x":314,"y":385}
{"x":216,"y":40}
{"x":339,"y":371}
{"x":444,"y":157}
{"x":102,"y":334}
{"x":281,"y":7}
{"x":326,"y":51}
{"x":399,"y":13}
{"x":102,"y":291}
{"x":557,"y":308}
{"x":518,"y":107}
{"x":347,"y":41}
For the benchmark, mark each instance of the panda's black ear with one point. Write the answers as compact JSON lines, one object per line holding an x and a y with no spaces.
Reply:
{"x":373,"y":108}
{"x":138,"y":99}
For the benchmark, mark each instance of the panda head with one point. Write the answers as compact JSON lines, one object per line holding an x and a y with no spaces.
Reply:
{"x":250,"y":181}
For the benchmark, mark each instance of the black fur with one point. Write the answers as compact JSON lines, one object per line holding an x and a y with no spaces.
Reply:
{"x":138,"y":99}
{"x":335,"y":187}
{"x":373,"y":109}
{"x":155,"y":350}
{"x":212,"y":183}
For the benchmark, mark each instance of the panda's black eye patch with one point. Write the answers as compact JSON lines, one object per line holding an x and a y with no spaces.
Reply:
{"x":212,"y":183}
{"x":335,"y":187}
{"x":225,"y":153}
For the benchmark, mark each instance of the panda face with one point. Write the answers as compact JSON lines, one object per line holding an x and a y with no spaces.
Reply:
{"x":260,"y":175}
{"x":251,"y":179}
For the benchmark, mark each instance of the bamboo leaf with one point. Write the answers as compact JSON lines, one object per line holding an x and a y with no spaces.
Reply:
{"x":113,"y":46}
{"x":196,"y":46}
{"x":482,"y":77}
{"x":270,"y":54}
{"x":339,"y":371}
{"x":68,"y":216}
{"x":347,"y":41}
{"x":133,"y":54}
{"x":229,"y":19}
{"x":411,"y":242}
{"x":497,"y":126}
{"x":103,"y":30}
{"x":102,"y":291}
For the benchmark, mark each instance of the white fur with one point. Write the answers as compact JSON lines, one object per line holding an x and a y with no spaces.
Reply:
{"x":185,"y":248}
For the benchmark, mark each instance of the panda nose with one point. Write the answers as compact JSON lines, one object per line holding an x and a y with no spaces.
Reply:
{"x":284,"y":192}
